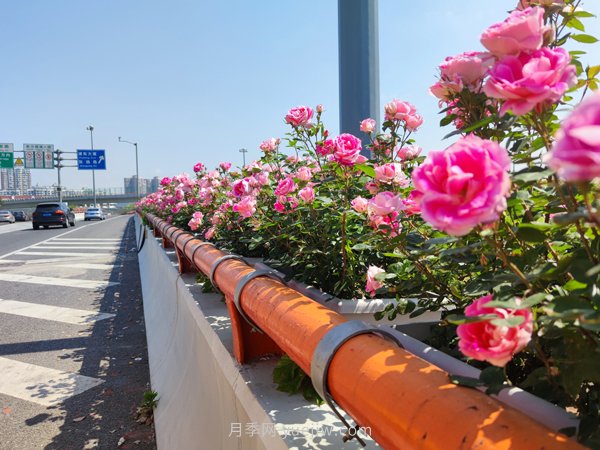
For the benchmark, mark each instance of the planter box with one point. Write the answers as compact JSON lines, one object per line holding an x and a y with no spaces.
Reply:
{"x":210,"y":321}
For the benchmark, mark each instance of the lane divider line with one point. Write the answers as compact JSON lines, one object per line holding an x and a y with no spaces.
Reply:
{"x":53,"y":313}
{"x":41,"y":385}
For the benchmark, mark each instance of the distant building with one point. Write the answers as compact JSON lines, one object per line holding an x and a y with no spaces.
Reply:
{"x":154,"y":184}
{"x":17,"y":180}
{"x":146,"y":186}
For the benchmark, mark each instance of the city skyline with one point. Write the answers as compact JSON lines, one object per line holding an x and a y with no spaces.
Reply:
{"x":195,"y":82}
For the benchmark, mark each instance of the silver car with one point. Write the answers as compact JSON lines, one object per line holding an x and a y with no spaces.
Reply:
{"x":94,"y":214}
{"x":6,"y":216}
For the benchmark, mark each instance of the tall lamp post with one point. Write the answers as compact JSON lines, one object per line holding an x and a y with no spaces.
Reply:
{"x":243,"y":151}
{"x":137,"y":174}
{"x":91,"y":130}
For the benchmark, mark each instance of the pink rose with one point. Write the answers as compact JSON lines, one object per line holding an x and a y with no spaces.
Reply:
{"x":195,"y":221}
{"x":299,"y":116}
{"x":241,"y":187}
{"x":496,"y":344}
{"x":398,"y":110}
{"x":210,"y":233}
{"x":410,"y":205}
{"x":372,"y":284}
{"x":391,"y":173}
{"x":372,"y":187}
{"x":285,"y":187}
{"x":225,"y":166}
{"x":199,"y":167}
{"x":359,"y":204}
{"x":463,"y":186}
{"x":576,"y":152}
{"x":347,"y":150}
{"x":269,"y":145}
{"x":367,"y":125}
{"x":413,"y":121}
{"x":531,"y":81}
{"x":307,"y":194}
{"x":460,"y":71}
{"x":304,"y":174}
{"x":327,"y":148}
{"x":246,"y":207}
{"x":522,"y":31}
{"x":165,"y":181}
{"x":408,"y":152}
{"x":384,"y":203}
{"x":285,"y":205}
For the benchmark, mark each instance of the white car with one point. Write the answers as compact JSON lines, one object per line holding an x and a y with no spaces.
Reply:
{"x":94,"y":214}
{"x":6,"y":216}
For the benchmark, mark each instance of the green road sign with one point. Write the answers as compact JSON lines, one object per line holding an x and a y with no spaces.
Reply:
{"x":6,"y":160}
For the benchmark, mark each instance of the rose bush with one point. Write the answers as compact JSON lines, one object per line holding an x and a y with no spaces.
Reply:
{"x":500,"y":230}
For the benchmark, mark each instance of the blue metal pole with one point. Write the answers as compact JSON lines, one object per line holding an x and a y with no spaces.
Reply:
{"x":358,"y":44}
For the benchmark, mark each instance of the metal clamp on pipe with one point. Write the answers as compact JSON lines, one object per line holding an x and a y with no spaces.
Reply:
{"x":242,"y":284}
{"x":216,"y":264}
{"x":199,"y":246}
{"x":323,"y":355}
{"x":172,"y":233}
{"x":192,"y":237}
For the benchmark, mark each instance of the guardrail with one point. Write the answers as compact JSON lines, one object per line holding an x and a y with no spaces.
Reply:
{"x":407,"y":402}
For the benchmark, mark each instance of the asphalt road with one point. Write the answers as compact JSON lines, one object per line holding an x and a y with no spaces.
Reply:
{"x":73,"y":358}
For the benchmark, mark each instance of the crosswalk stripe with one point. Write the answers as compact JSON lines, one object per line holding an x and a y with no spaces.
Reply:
{"x":88,"y":266}
{"x":73,"y":244}
{"x":60,"y":254}
{"x":41,"y":385}
{"x":83,"y":247}
{"x":51,"y":281}
{"x":85,"y":239}
{"x":54,"y":313}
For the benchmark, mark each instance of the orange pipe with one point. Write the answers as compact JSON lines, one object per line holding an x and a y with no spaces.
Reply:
{"x":406,"y":402}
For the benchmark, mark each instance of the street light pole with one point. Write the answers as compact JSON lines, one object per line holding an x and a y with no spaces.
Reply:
{"x":91,"y":130}
{"x":137,"y":173}
{"x":243,"y":151}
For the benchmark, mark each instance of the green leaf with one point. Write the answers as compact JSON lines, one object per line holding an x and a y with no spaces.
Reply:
{"x":362,"y":247}
{"x":572,"y":303}
{"x":584,"y":38}
{"x":510,"y":321}
{"x":592,"y":71}
{"x":459,"y":319}
{"x":583,"y":14}
{"x":530,"y":233}
{"x":479,"y":124}
{"x":573,"y":285}
{"x":534,"y":299}
{"x":531,"y":174}
{"x":576,"y":24}
{"x":366,"y":169}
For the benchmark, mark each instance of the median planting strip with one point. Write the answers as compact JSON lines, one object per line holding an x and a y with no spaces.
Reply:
{"x":407,"y":402}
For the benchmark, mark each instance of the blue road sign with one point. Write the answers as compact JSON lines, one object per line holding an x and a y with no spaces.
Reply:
{"x":91,"y":160}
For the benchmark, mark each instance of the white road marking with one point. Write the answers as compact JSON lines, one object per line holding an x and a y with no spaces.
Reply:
{"x":75,"y":244}
{"x":88,"y":266}
{"x":41,"y":385}
{"x":85,"y":239}
{"x":50,"y":253}
{"x":73,"y":247}
{"x":54,"y":313}
{"x":48,"y":260}
{"x":33,"y":245}
{"x":51,"y":281}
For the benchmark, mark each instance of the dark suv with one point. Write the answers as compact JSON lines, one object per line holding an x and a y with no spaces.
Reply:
{"x":47,"y":214}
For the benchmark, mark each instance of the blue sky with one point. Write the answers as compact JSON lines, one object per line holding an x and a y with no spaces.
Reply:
{"x":197,"y":80}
